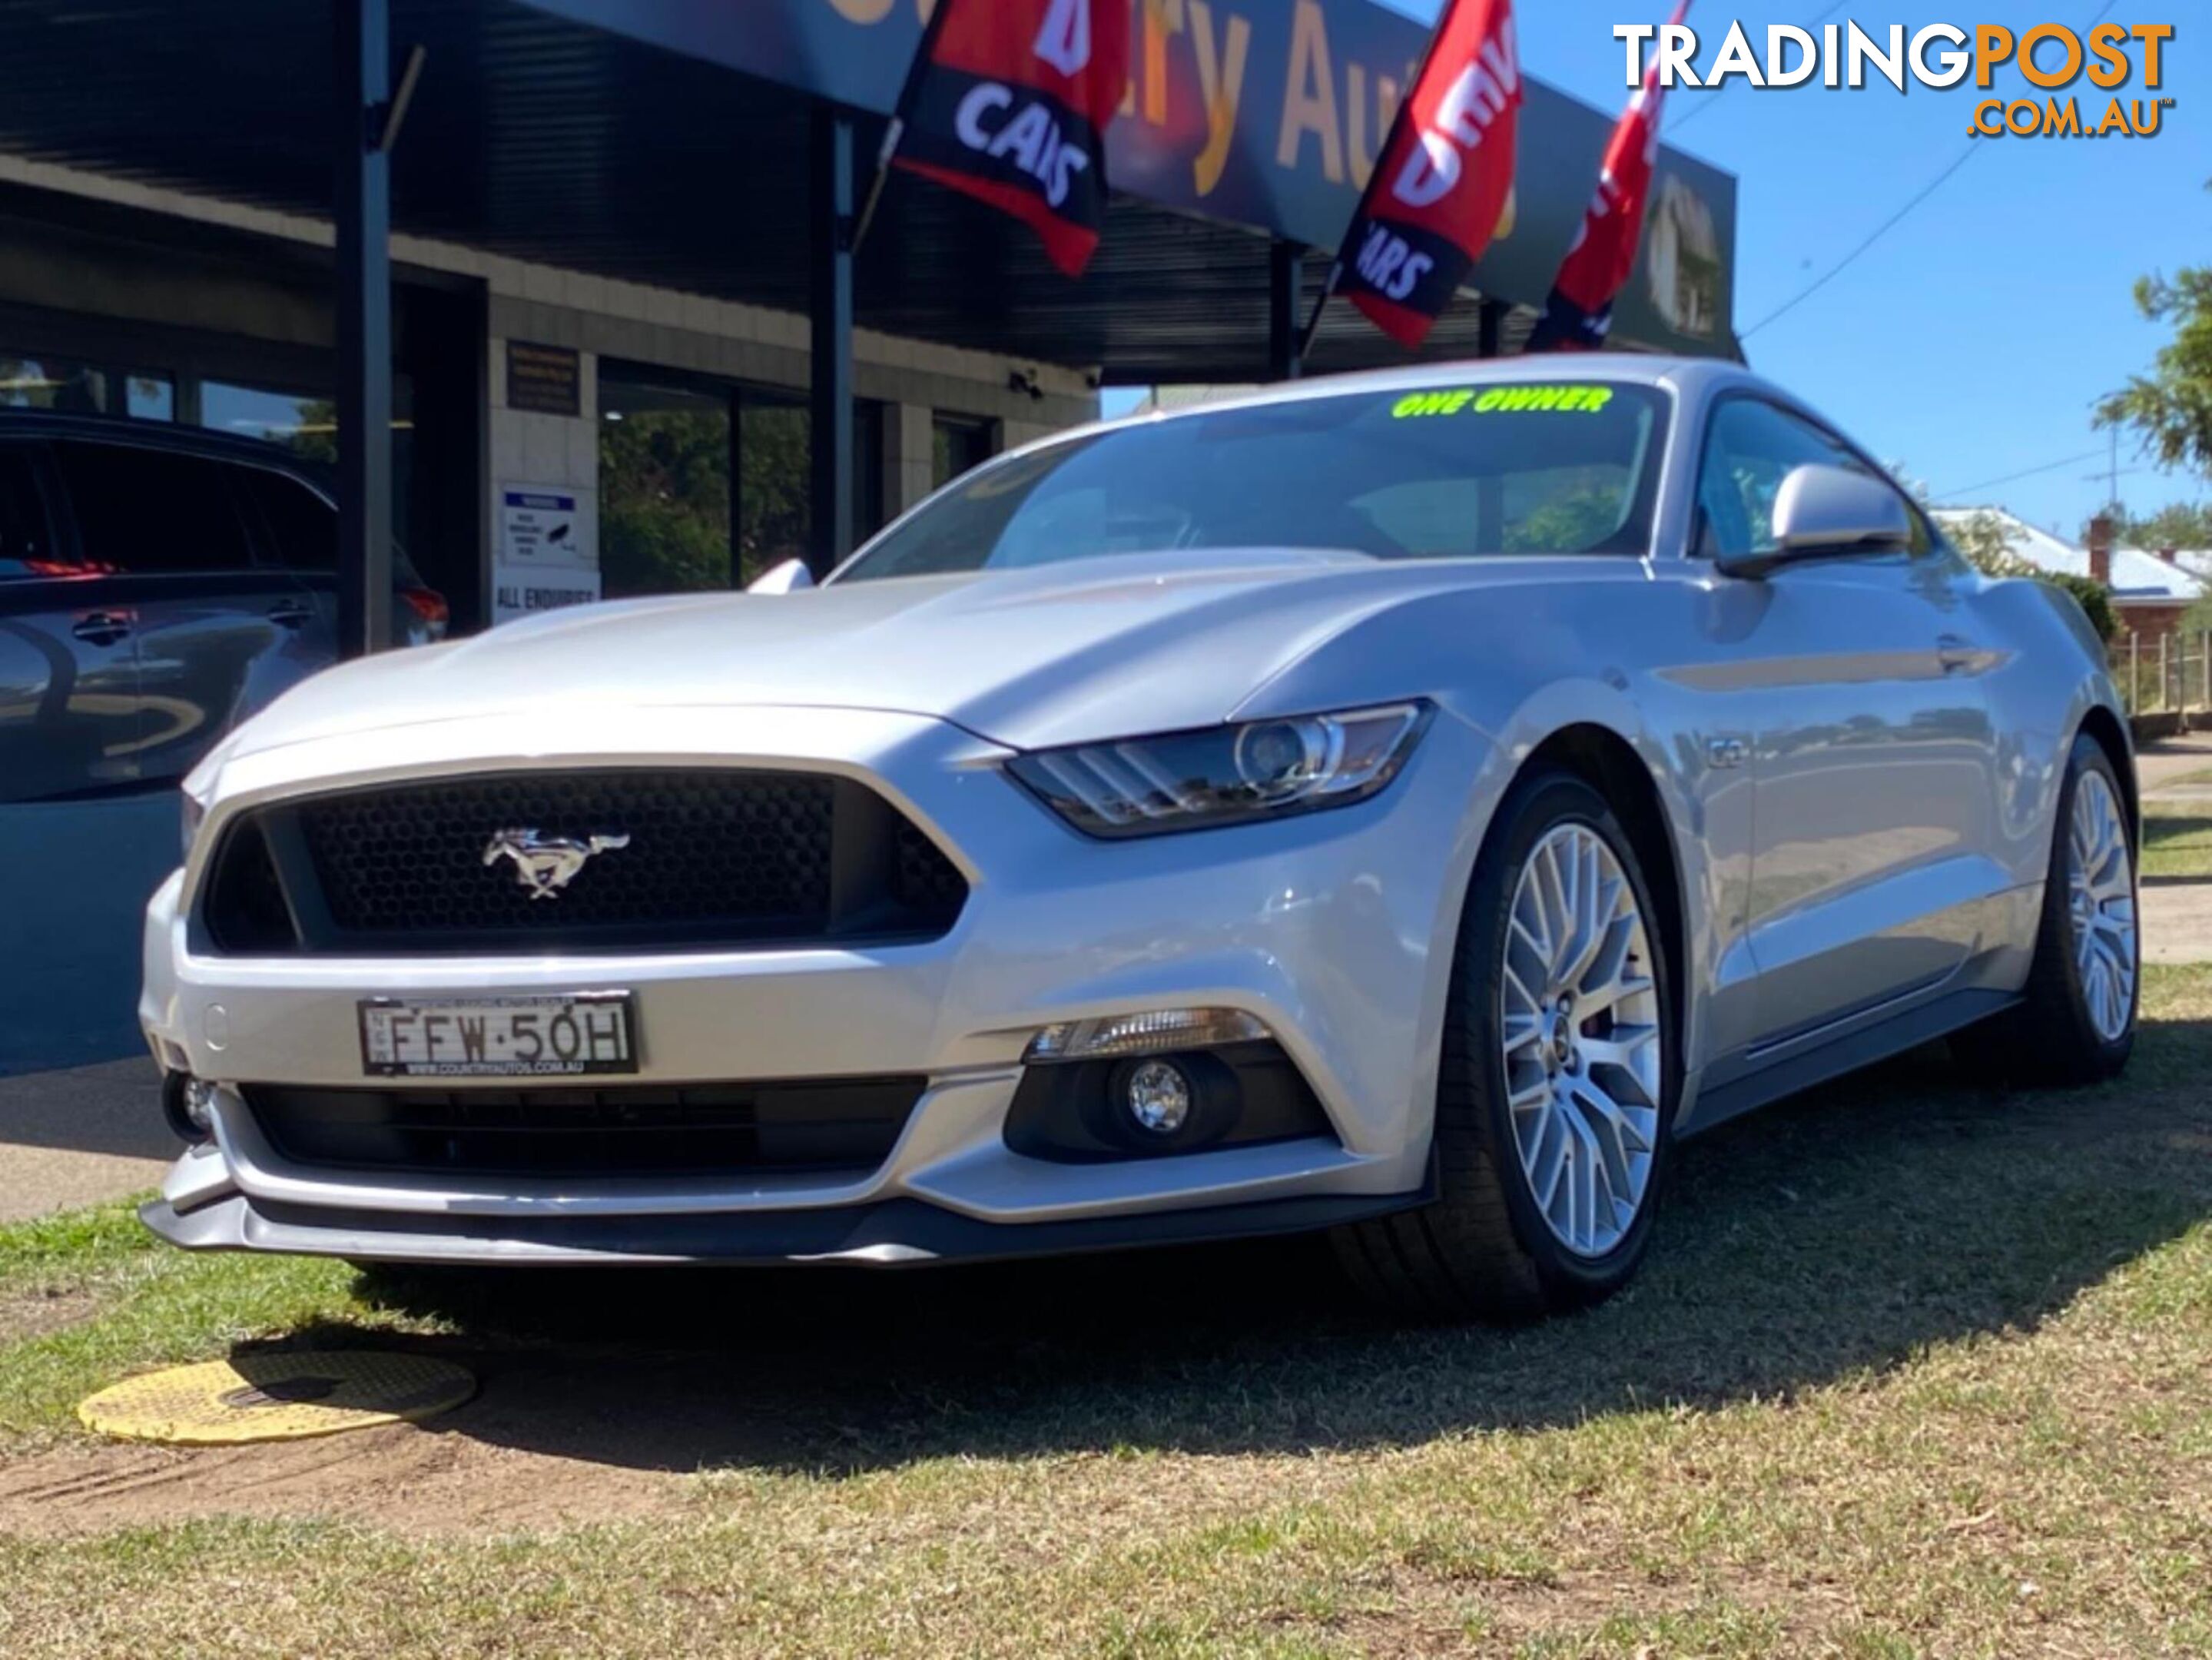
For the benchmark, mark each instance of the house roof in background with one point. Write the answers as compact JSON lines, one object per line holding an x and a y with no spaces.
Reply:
{"x":2139,"y":578}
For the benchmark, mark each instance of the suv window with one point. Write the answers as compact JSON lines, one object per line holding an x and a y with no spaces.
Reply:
{"x":25,"y":545}
{"x":1750,"y":446}
{"x":148,"y":512}
{"x":303,"y":528}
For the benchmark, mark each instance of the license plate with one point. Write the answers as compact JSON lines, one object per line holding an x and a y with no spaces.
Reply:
{"x":499,"y":1036}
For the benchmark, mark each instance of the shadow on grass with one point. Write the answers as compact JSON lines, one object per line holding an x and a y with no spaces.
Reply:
{"x":1833,"y":1234}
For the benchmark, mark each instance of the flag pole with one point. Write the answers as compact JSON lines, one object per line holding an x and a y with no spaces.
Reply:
{"x":1399,"y":117}
{"x":1321,"y":301}
{"x":895,"y":129}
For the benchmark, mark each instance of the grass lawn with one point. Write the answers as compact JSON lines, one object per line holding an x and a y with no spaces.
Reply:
{"x":2177,"y":839}
{"x":1915,"y":1368}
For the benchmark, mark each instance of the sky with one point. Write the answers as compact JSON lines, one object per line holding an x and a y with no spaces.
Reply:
{"x":1970,"y":342}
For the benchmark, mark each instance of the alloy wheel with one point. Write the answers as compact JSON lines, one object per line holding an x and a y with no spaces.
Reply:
{"x":1583,"y":1044}
{"x":2100,"y":901}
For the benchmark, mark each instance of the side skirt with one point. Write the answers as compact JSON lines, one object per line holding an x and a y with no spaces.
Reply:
{"x":1862,"y":1047}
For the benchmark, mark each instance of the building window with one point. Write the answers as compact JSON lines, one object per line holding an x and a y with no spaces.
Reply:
{"x":304,"y":424}
{"x":704,"y":484}
{"x":773,"y":459}
{"x":958,"y":443}
{"x":665,"y":469}
{"x":77,"y":388}
{"x":149,"y":398}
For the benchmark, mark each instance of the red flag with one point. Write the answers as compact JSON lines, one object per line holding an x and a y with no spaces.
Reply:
{"x":1579,"y":313}
{"x":1436,"y":194}
{"x":1009,"y":101}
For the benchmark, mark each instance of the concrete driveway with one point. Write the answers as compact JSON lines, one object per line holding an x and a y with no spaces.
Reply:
{"x":79,"y":1136}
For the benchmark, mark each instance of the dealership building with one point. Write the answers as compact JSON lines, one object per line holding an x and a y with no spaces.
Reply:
{"x":616,"y":263}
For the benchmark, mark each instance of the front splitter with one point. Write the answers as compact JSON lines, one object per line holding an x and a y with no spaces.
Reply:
{"x":890,"y":1234}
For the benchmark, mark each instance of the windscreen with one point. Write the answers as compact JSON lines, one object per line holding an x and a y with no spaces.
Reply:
{"x":1445,"y":473}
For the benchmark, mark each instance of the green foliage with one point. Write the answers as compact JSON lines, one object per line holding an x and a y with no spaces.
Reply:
{"x":1986,"y":544}
{"x":320,"y":444}
{"x":2094,"y":599}
{"x":2176,"y":524}
{"x":1579,"y":516}
{"x":665,"y":502}
{"x":665,"y":497}
{"x":772,"y":504}
{"x":2170,"y":409}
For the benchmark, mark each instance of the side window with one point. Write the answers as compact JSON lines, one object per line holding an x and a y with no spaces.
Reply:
{"x":1750,"y":448}
{"x":27,"y":547}
{"x":303,"y":528}
{"x":149,"y":512}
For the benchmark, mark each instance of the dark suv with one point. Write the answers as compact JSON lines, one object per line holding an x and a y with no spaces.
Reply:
{"x":157,"y":586}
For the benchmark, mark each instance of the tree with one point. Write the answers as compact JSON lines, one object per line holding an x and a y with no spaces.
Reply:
{"x":665,"y":502}
{"x":2170,"y":409}
{"x":2176,"y":524}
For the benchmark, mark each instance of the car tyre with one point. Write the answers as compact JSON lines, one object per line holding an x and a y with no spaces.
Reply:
{"x":1499,"y":1242}
{"x":2075,"y":1022}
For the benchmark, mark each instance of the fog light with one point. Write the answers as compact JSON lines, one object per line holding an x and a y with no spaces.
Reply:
{"x":199,"y":1105}
{"x":188,"y":1104}
{"x":1152,"y":1032}
{"x":1157,"y":1096}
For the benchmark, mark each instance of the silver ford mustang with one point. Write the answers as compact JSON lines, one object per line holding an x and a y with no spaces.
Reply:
{"x":1403,"y":804}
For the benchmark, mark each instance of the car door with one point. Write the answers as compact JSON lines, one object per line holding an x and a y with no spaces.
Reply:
{"x":216,"y":633}
{"x":70,"y":720}
{"x":1872,"y":752}
{"x":298,"y":534}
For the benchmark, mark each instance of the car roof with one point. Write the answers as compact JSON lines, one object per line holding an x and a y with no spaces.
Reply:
{"x":162,"y":435}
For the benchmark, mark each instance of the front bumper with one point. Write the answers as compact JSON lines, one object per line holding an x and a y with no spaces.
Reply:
{"x":1292,"y":922}
{"x":888,"y":1233}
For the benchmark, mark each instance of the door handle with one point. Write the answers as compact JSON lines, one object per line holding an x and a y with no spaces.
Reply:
{"x":102,"y":628}
{"x":1954,"y":652}
{"x":288,"y":616}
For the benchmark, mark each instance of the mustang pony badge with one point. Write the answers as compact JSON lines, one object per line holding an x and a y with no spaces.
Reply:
{"x":546,"y":864}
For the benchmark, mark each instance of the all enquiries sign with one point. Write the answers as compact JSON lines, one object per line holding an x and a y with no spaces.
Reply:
{"x":548,"y":556}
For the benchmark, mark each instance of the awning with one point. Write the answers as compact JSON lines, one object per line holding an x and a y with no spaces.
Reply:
{"x":666,"y":143}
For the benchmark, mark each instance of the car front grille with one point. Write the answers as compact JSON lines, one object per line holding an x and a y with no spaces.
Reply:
{"x":670,"y":858}
{"x":816,"y":1125}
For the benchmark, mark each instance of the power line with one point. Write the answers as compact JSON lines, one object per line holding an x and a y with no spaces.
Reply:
{"x":1880,"y":231}
{"x":2026,"y":472}
{"x":1889,"y":224}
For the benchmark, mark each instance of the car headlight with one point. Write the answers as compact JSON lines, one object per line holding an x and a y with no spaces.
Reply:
{"x":1230,"y":775}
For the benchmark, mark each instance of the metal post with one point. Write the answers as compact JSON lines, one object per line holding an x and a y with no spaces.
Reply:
{"x":829,"y":311}
{"x":2165,"y":685}
{"x":1490,"y":328}
{"x":2135,"y":673}
{"x":1284,"y":362}
{"x":361,"y":208}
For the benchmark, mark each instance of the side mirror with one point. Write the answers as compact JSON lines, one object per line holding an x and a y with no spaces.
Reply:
{"x":789,"y":577}
{"x":1822,"y":512}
